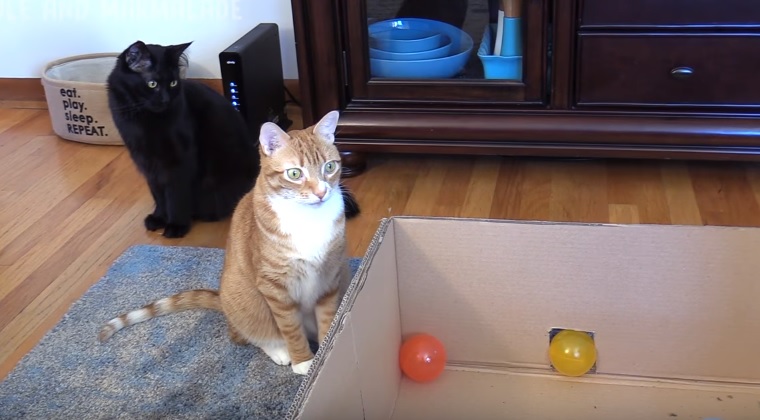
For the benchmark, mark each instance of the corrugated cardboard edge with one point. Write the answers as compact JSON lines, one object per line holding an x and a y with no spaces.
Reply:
{"x":566,"y":223}
{"x":356,"y":285}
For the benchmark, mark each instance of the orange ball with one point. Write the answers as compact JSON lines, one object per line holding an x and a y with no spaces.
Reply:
{"x":422,"y":357}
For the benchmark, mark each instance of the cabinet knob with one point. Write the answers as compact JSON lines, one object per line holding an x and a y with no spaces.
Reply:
{"x":681,"y":72}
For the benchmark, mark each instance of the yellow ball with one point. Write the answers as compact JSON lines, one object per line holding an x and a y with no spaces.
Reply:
{"x":572,"y":353}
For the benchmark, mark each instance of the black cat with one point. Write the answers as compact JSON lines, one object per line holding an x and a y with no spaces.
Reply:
{"x":193,"y":148}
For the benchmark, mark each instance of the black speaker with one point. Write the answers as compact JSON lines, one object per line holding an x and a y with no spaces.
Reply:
{"x":252,"y":77}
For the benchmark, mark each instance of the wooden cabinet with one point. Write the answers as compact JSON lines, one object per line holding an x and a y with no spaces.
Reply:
{"x":600,"y":78}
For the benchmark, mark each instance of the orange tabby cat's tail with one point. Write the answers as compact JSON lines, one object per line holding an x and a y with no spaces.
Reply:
{"x":189,"y":299}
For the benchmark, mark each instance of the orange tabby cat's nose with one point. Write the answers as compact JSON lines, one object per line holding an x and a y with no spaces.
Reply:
{"x":320,"y":192}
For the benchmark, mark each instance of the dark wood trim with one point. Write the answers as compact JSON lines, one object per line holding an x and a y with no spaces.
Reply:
{"x":536,"y":13}
{"x":441,"y":128}
{"x":31,"y":89}
{"x":319,"y":56}
{"x":303,"y":52}
{"x":667,"y":15}
{"x":357,"y":55}
{"x":559,"y":150}
{"x":564,"y":16}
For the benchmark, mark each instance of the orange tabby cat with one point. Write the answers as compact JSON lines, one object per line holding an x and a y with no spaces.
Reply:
{"x":284,"y":267}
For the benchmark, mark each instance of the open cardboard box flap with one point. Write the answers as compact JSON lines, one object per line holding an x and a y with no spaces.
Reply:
{"x":674,"y":311}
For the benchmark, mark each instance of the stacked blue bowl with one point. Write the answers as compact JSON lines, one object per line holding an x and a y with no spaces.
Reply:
{"x":412,"y":48}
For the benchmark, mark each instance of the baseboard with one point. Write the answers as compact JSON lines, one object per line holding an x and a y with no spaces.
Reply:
{"x":27,"y":89}
{"x":29,"y":93}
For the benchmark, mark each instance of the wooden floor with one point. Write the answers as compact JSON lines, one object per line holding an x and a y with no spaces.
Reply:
{"x":67,"y":210}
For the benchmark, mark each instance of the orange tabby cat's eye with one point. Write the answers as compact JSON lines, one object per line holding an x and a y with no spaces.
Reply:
{"x":330,"y":167}
{"x":294,"y":174}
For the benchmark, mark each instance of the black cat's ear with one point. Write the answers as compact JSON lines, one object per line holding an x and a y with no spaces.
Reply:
{"x":137,"y":57}
{"x":272,"y":138}
{"x":175,"y":53}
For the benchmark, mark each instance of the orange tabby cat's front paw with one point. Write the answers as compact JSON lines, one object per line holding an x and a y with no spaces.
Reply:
{"x":278,"y":353}
{"x":303,"y":367}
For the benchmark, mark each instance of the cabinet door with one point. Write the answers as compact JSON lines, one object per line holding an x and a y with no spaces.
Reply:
{"x":423,"y":53}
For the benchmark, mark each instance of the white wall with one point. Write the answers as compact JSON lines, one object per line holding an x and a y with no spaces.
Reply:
{"x":35,"y":32}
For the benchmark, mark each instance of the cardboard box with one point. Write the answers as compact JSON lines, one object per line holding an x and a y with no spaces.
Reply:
{"x":674,"y":311}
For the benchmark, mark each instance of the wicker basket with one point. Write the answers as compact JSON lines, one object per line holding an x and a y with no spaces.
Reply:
{"x":77,"y":99}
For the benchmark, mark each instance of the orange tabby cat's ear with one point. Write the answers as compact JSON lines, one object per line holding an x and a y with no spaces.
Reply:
{"x":272,"y":138}
{"x":325,"y":128}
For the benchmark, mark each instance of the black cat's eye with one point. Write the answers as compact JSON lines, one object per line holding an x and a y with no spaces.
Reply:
{"x":294,"y":174}
{"x":173,"y":83}
{"x":152,"y":84}
{"x":330,"y":167}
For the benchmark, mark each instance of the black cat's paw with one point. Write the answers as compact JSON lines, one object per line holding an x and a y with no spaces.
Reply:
{"x":154,"y":223}
{"x":176,"y":231}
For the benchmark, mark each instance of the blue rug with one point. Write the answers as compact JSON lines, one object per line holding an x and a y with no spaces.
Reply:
{"x":180,"y":366}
